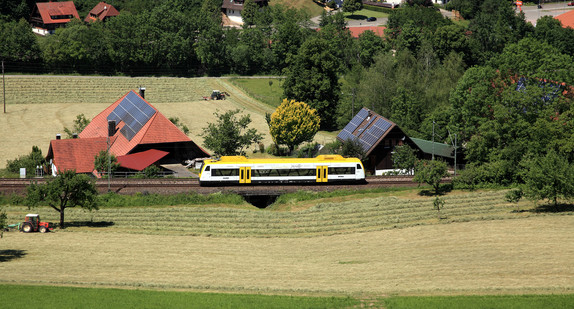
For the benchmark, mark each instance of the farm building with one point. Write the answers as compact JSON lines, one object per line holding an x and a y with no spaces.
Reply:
{"x":232,"y":9}
{"x":378,"y":136}
{"x":48,"y":16}
{"x":139,"y":136}
{"x":101,"y":11}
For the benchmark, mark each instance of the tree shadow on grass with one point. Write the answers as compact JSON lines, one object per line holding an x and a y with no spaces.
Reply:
{"x":356,"y":17}
{"x":9,"y":255}
{"x":89,"y":224}
{"x":551,"y":208}
{"x":442,"y":190}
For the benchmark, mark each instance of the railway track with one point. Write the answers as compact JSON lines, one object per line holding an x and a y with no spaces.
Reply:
{"x":188,"y":185}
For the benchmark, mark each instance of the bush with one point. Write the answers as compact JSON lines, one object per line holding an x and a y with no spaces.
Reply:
{"x":308,"y":151}
{"x":30,"y":162}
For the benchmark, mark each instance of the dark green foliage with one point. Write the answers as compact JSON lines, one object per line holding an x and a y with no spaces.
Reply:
{"x":249,"y":12}
{"x":30,"y":162}
{"x":151,"y":171}
{"x":430,"y":172}
{"x":404,"y":158}
{"x":312,"y":77}
{"x":3,"y":218}
{"x":310,"y":150}
{"x":548,"y":177}
{"x":80,"y":123}
{"x":230,"y":135}
{"x":104,"y":163}
{"x":352,"y":5}
{"x":353,"y":148}
{"x":66,"y":190}
{"x":514,"y":196}
{"x":18,"y":42}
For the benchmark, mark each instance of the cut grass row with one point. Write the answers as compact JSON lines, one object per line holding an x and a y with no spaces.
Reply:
{"x":327,"y":217}
{"x":72,"y":297}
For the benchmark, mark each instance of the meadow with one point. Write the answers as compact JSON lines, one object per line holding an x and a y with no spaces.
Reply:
{"x":371,"y":246}
{"x":39,"y":107}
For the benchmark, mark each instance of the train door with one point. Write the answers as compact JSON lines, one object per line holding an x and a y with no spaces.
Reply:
{"x":322,"y":173}
{"x":245,"y":174}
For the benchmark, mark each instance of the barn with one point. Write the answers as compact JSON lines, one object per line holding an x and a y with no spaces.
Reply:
{"x":135,"y":132}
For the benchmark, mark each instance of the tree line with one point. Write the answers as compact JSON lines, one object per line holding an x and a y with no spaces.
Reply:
{"x":499,"y":83}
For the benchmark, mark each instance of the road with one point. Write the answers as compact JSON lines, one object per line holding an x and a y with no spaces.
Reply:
{"x":533,"y":13}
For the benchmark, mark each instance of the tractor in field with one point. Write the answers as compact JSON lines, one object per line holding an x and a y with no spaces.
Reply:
{"x":32,"y":223}
{"x":217,"y":95}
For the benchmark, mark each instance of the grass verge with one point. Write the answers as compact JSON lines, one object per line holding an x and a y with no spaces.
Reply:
{"x":482,"y":301}
{"x":18,"y":296}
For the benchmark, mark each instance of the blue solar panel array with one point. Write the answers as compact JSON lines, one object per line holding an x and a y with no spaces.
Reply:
{"x":370,"y":135}
{"x":134,"y":112}
{"x":347,"y":132}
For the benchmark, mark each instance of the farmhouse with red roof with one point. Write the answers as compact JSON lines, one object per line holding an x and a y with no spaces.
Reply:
{"x":101,"y":11}
{"x":139,"y":136}
{"x":48,"y":16}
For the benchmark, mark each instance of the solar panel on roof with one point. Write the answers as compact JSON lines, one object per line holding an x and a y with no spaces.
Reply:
{"x":347,"y":132}
{"x":134,"y":112}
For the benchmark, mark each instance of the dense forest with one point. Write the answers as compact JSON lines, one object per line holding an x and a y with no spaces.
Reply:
{"x":503,"y":86}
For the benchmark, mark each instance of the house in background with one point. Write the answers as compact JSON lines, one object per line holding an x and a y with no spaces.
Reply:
{"x":48,"y":16}
{"x":137,"y":134}
{"x":232,"y":10}
{"x":379,"y":136}
{"x":101,"y":11}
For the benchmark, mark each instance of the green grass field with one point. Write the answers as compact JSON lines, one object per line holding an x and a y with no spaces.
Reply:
{"x":26,"y":296}
{"x":266,"y":90}
{"x":71,"y":297}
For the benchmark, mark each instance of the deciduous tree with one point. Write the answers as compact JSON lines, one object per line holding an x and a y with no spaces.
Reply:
{"x":430,"y":172}
{"x":352,"y":6}
{"x":230,"y":135}
{"x":80,"y":123}
{"x":404,"y":158}
{"x":293,"y":123}
{"x":104,"y":163}
{"x":67,"y":190}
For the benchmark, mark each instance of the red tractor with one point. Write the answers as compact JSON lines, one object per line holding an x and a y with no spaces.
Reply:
{"x":33,"y":224}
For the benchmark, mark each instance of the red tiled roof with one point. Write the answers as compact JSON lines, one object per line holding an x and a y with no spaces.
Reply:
{"x":101,"y":11}
{"x":356,"y":31}
{"x":49,"y":10}
{"x":567,"y":19}
{"x":76,"y":154}
{"x":139,"y":161}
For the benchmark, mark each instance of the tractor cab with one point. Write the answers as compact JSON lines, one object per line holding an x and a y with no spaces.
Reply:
{"x":32,"y":223}
{"x":217,"y":95}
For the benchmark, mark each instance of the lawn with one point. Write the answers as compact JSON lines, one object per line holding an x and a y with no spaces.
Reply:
{"x":266,"y":90}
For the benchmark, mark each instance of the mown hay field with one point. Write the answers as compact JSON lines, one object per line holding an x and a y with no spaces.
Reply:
{"x":39,"y":107}
{"x":374,"y":246}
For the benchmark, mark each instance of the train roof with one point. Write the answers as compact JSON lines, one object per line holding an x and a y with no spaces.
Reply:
{"x":244,"y":160}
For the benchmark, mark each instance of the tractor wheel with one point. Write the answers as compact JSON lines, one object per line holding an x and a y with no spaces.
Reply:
{"x":42,"y":229}
{"x":26,"y":228}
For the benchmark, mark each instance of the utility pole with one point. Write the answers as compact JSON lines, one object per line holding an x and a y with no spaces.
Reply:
{"x":4,"y":86}
{"x":455,"y":146}
{"x":433,"y":140}
{"x":353,"y":104}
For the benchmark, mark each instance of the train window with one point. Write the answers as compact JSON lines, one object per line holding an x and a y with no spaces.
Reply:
{"x":341,"y":170}
{"x":225,"y":172}
{"x":207,"y":168}
{"x":359,"y":167}
{"x":261,"y":172}
{"x":307,"y":172}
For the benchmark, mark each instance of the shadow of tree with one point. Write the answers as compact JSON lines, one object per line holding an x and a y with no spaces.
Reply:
{"x":9,"y":255}
{"x":550,"y":208}
{"x":89,"y":224}
{"x":356,"y":17}
{"x":442,"y":190}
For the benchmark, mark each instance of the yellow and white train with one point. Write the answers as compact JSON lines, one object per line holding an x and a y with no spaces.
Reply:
{"x":243,"y":171}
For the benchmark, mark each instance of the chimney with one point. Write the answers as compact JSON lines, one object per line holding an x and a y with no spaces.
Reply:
{"x":142,"y":92}
{"x":74,"y":135}
{"x":111,"y":128}
{"x":58,"y":136}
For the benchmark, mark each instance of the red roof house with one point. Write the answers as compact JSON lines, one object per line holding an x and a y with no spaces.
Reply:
{"x":135,"y":127}
{"x":101,"y":11}
{"x":47,"y":16}
{"x":356,"y":31}
{"x":567,"y":19}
